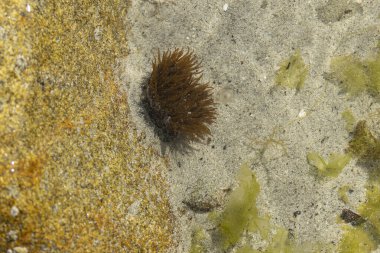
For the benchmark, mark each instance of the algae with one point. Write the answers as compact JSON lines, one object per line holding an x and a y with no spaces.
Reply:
{"x":371,"y":209}
{"x":292,"y":72}
{"x":197,"y":241}
{"x":351,"y":74}
{"x":342,"y":193}
{"x":356,"y":239}
{"x":260,"y":224}
{"x":333,"y":167}
{"x":240,"y":208}
{"x":280,"y":243}
{"x":246,"y":249}
{"x":364,"y":145}
{"x":373,"y":68}
{"x":357,"y":75}
{"x":366,"y":237}
{"x":349,"y":118}
{"x":241,"y":215}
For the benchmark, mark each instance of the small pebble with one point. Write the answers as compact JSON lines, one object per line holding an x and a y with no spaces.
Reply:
{"x":225,"y":7}
{"x":20,"y":250}
{"x":98,"y":33}
{"x":12,"y":235}
{"x":350,"y":217}
{"x":2,"y":33}
{"x":134,"y":208}
{"x":302,"y":113}
{"x":14,"y":211}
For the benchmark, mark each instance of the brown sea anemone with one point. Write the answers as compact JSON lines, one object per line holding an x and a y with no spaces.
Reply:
{"x":179,"y":104}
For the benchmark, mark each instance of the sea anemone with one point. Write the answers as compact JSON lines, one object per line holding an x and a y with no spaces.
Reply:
{"x":179,"y":104}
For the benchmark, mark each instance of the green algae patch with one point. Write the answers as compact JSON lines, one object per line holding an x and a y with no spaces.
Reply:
{"x":356,"y":239}
{"x":342,"y":193}
{"x":198,"y":238}
{"x":246,"y":249}
{"x":241,"y":216}
{"x":373,"y":68}
{"x":371,"y":209}
{"x":349,"y":118}
{"x":333,"y":167}
{"x":351,"y":74}
{"x":355,"y":75}
{"x":292,"y":72}
{"x":364,"y":144}
{"x":366,"y":237}
{"x":240,"y":209}
{"x":279,"y":242}
{"x":260,"y":224}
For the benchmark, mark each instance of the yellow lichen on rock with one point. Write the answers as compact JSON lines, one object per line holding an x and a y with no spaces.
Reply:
{"x":74,"y":177}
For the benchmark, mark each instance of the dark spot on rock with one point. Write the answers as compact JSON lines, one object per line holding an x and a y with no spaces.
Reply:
{"x":200,"y":204}
{"x":337,"y":10}
{"x":296,"y":213}
{"x":350,"y":217}
{"x":264,"y":4}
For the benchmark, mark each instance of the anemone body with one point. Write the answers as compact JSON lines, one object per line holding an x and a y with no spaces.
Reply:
{"x":178,"y":103}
